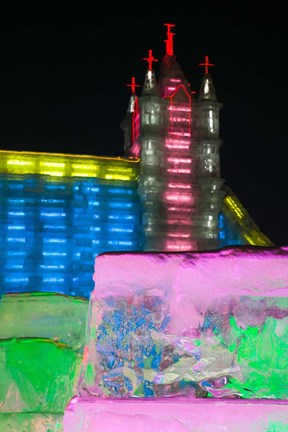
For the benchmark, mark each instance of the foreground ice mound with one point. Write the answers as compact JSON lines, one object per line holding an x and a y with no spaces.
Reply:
{"x":184,"y":326}
{"x":41,"y":346}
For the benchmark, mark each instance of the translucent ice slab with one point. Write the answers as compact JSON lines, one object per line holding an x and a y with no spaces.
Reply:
{"x":44,"y":315}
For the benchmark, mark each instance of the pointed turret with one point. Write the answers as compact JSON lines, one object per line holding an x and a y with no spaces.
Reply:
{"x":207,"y":89}
{"x":171,"y":75}
{"x":129,"y":124}
{"x":150,"y":103}
{"x":150,"y":85}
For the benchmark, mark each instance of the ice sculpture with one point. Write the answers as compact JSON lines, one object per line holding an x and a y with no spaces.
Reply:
{"x":59,"y":211}
{"x":173,"y":332}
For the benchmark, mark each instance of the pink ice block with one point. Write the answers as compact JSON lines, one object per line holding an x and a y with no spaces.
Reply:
{"x":175,"y":415}
{"x":186,"y":342}
{"x":167,"y":324}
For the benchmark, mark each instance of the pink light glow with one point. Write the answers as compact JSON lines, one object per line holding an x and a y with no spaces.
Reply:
{"x":180,"y":186}
{"x":179,"y":160}
{"x":178,"y":171}
{"x":181,"y":87}
{"x":179,"y":119}
{"x":179,"y":247}
{"x":185,"y":134}
{"x":179,"y":108}
{"x":183,"y":199}
{"x":178,"y":235}
{"x":188,"y":211}
{"x":176,"y":146}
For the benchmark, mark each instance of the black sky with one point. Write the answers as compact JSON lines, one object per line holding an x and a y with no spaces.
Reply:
{"x":63,"y":87}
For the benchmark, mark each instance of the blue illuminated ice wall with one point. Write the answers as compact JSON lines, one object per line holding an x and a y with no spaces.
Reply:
{"x":52,"y":229}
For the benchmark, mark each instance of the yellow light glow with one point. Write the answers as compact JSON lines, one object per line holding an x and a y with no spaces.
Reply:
{"x":53,"y":164}
{"x":250,"y":231}
{"x":52,"y":173}
{"x":83,"y":166}
{"x":116,"y":177}
{"x":68,"y":165}
{"x":19,"y":162}
{"x":80,"y":174}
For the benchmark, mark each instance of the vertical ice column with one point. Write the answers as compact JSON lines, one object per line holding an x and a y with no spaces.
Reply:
{"x":207,"y":110}
{"x":180,"y":193}
{"x":151,"y":181}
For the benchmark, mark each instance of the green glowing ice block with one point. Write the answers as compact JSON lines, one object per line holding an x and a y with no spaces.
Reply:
{"x":37,"y":376}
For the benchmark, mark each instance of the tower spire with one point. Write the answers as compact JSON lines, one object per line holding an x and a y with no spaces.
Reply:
{"x":169,"y":40}
{"x":150,"y":59}
{"x":206,"y":64}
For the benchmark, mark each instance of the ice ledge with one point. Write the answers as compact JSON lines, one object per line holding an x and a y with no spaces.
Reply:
{"x":175,"y":415}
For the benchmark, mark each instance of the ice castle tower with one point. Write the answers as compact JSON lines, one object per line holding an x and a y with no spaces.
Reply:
{"x":59,"y":211}
{"x":176,"y":137}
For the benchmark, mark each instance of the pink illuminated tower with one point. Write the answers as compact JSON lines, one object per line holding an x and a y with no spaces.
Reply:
{"x":177,"y":141}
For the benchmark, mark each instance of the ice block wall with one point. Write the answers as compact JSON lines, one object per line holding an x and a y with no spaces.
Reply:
{"x":57,"y":213}
{"x":210,"y":324}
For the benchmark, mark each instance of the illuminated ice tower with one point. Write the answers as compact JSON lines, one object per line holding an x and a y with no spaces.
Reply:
{"x":206,"y":117}
{"x":176,"y":138}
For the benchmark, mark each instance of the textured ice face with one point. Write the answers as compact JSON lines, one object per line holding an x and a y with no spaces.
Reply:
{"x":210,"y":324}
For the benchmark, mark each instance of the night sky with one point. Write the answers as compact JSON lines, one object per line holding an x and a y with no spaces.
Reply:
{"x":63,"y":88}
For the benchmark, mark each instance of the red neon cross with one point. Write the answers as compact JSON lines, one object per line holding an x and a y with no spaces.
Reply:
{"x":150,"y":60}
{"x":169,"y":40}
{"x":133,"y":85}
{"x":206,"y":64}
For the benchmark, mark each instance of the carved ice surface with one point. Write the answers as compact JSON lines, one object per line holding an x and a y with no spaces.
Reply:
{"x":210,"y":324}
